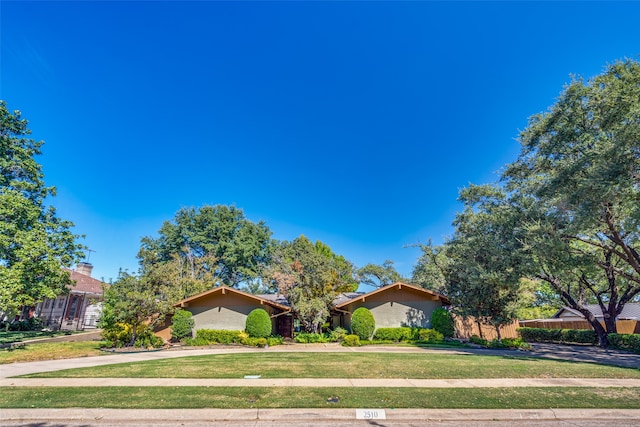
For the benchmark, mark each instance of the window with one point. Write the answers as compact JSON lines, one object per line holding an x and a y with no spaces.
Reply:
{"x":61,"y":303}
{"x":47,"y":302}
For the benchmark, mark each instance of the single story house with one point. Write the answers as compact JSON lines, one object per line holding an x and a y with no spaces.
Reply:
{"x":630,"y":311}
{"x":225,"y":308}
{"x":77,"y":310}
{"x":392,"y":306}
{"x":627,"y":322}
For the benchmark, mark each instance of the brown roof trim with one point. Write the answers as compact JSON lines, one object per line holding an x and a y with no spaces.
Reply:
{"x":224,"y":289}
{"x":398,"y":285}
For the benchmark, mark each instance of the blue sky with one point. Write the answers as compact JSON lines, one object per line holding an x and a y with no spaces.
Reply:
{"x":354,"y":123}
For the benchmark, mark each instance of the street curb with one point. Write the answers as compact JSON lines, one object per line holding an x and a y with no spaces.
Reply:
{"x":289,"y":415}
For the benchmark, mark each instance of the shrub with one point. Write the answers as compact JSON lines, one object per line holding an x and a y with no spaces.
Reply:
{"x":214,"y":336}
{"x":363,"y":324}
{"x":309,"y":338}
{"x":477,"y":340}
{"x":181,"y":324}
{"x":120,"y":336}
{"x":630,"y":342}
{"x":351,"y":341}
{"x":430,"y":335}
{"x":574,"y":336}
{"x":337,"y":334}
{"x":395,"y":334}
{"x":147,"y":339}
{"x":442,"y":321}
{"x":258,"y":323}
{"x":256,"y":342}
{"x":274,"y":340}
{"x":514,"y":343}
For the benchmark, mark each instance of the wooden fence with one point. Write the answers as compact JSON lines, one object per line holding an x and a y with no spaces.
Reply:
{"x":622,"y":326}
{"x":466,"y":327}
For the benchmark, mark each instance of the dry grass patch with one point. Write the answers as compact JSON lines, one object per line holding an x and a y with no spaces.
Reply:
{"x":50,"y":351}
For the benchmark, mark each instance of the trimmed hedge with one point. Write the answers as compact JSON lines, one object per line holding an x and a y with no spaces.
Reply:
{"x":574,"y":336}
{"x":181,"y":324}
{"x":309,"y":338}
{"x":363,"y":324}
{"x":215,"y":336}
{"x":442,"y":321}
{"x":430,"y":335}
{"x":396,"y":334}
{"x":258,"y":323}
{"x":351,"y":341}
{"x":629,"y":342}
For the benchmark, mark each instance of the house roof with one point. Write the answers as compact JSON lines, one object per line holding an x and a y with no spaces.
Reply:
{"x":629,"y":311}
{"x":85,"y":283}
{"x":398,"y":286}
{"x":226,"y":289}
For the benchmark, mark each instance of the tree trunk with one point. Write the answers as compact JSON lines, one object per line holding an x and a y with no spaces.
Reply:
{"x":479,"y":328}
{"x":498,"y":332}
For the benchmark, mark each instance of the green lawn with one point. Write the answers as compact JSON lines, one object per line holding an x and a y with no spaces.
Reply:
{"x":302,"y":397}
{"x":7,"y":337}
{"x":349,"y":365}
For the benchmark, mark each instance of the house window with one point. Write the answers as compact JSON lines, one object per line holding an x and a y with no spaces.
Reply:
{"x":47,"y":302}
{"x":61,"y":303}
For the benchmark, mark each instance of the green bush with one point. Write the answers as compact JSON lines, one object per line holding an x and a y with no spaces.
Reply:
{"x":181,"y":325}
{"x":351,"y":341}
{"x":477,"y":340}
{"x":430,"y":335}
{"x":395,"y":334}
{"x":309,"y":338}
{"x":442,"y":321}
{"x":256,"y":342}
{"x":363,"y":324}
{"x":274,"y":340}
{"x":120,"y":336}
{"x":630,"y":342}
{"x":514,"y":343}
{"x":214,"y":336}
{"x":258,"y":323}
{"x":338,"y":334}
{"x":573,"y":336}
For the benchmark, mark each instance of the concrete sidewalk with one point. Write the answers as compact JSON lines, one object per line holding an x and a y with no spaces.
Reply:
{"x":629,"y":417}
{"x":320,"y":382}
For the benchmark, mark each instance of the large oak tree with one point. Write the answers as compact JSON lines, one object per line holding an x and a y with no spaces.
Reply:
{"x":35,"y":244}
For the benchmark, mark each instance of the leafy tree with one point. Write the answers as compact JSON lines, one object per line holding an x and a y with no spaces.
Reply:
{"x":34,"y":243}
{"x":363,"y":324}
{"x":379,"y":275}
{"x":311,"y":276}
{"x":578,"y":181}
{"x":135,"y":301}
{"x":429,"y":271}
{"x":485,"y":260}
{"x":211,"y":242}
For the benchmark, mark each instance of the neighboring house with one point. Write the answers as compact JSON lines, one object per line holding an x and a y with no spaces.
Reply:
{"x":631,"y":311}
{"x":225,"y":308}
{"x":392,"y":306}
{"x":77,"y":310}
{"x":627,"y":322}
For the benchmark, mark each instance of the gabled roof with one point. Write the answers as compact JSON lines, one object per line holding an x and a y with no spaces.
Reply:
{"x":629,"y":311}
{"x":84,"y":283}
{"x":394,"y":286}
{"x":222,"y":290}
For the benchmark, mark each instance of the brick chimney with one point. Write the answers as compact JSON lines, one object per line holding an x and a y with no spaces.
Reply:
{"x":84,"y":268}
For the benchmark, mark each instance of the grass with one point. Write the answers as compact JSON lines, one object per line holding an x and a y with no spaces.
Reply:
{"x":348,"y":365}
{"x":8,"y":337}
{"x":50,"y":351}
{"x":308,"y":397}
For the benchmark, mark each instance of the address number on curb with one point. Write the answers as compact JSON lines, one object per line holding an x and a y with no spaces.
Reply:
{"x":370,"y":414}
